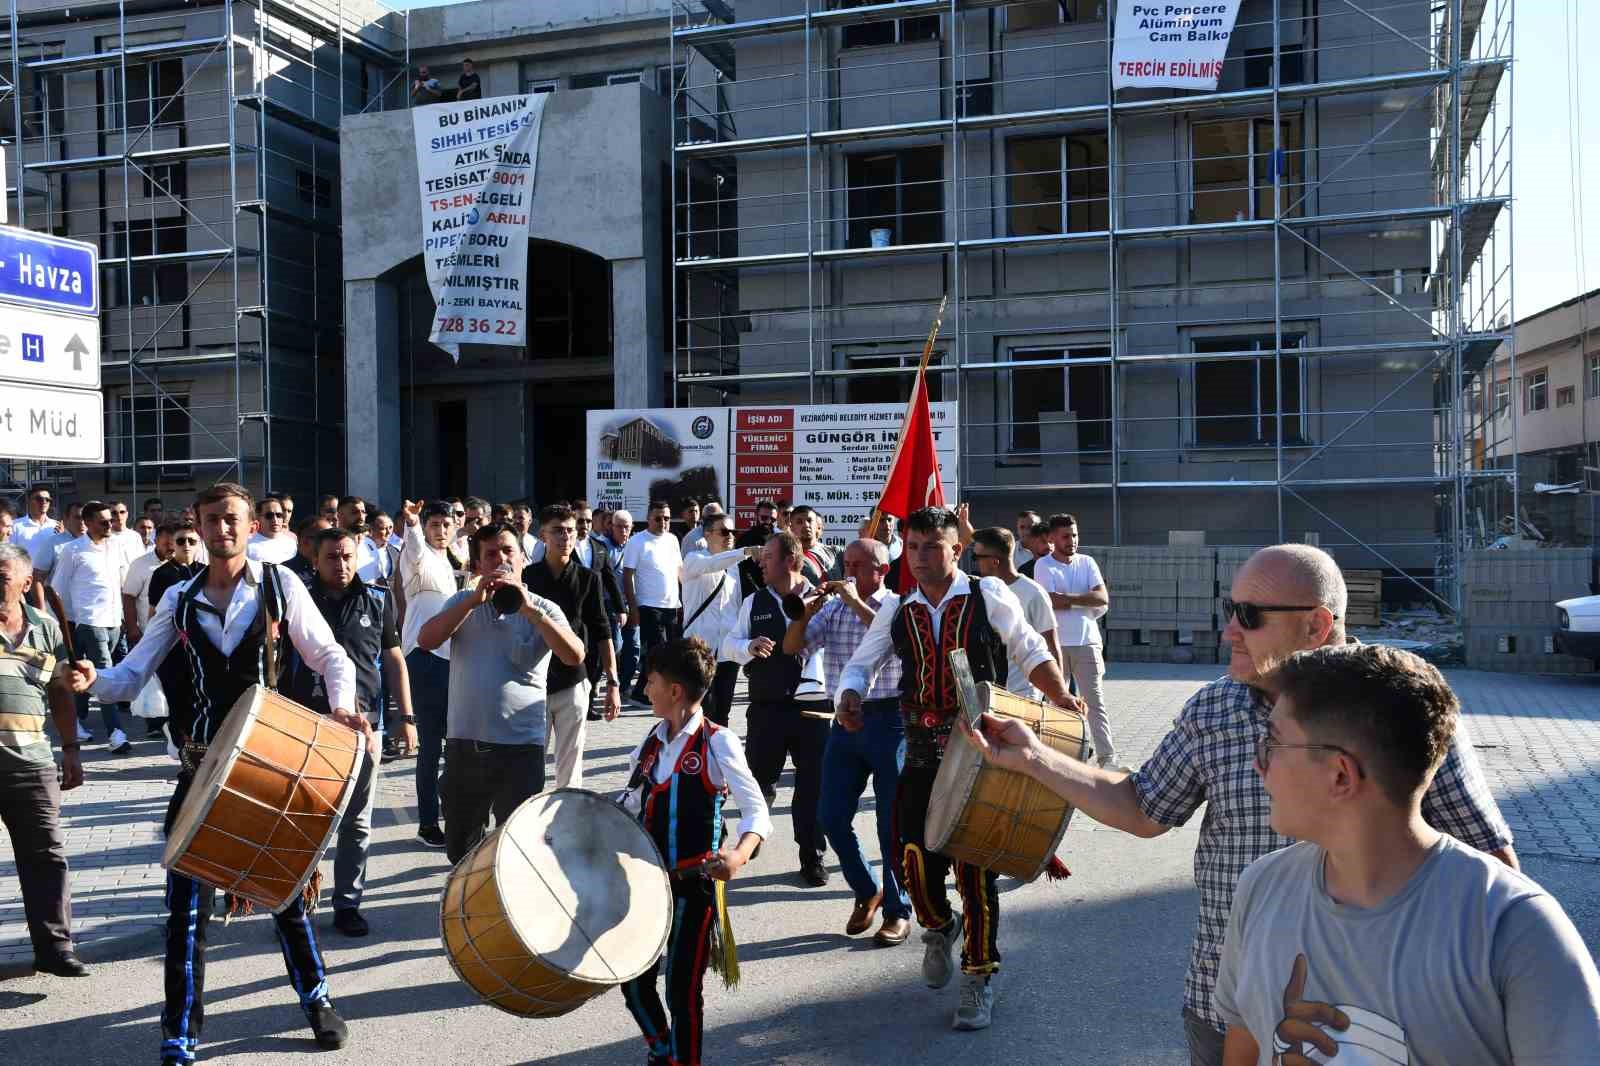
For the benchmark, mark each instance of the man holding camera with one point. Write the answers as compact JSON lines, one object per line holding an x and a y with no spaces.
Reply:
{"x":501,"y":640}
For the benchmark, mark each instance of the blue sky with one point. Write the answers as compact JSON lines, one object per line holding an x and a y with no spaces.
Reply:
{"x":1545,"y":267}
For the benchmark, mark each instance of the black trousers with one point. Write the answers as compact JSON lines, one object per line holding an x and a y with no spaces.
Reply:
{"x":778,"y":731}
{"x":189,"y":905}
{"x":657,"y":625}
{"x":30,"y":809}
{"x":485,"y":779}
{"x":675,"y":1031}
{"x":923,"y":873}
{"x":718,"y":703}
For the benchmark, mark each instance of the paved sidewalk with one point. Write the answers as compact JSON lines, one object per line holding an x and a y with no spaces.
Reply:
{"x":1538,"y":739}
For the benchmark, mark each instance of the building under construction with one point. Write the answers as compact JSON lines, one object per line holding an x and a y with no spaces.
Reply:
{"x":1260,"y":312}
{"x":196,"y":143}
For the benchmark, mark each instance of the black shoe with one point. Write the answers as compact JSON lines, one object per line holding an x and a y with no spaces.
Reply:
{"x":594,"y":716}
{"x":431,"y":836}
{"x":348,"y":921}
{"x":330,"y":1030}
{"x":814,"y":873}
{"x":66,"y":965}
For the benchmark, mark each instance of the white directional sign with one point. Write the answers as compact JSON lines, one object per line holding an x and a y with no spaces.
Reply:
{"x":50,"y":402}
{"x":50,"y":349}
{"x":66,"y":425}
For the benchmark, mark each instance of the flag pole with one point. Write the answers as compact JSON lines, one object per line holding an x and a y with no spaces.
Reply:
{"x":922,"y":366}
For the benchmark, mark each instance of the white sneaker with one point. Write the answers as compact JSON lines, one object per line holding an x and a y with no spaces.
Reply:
{"x":117,"y":742}
{"x":938,"y":962}
{"x":977,"y":1003}
{"x":84,"y":734}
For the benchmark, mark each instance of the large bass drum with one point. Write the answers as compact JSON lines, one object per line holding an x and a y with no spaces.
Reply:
{"x":567,"y":899}
{"x":266,"y":800}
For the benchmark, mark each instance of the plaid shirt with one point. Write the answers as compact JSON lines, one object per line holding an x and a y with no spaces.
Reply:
{"x":838,"y":632}
{"x":1209,"y":757}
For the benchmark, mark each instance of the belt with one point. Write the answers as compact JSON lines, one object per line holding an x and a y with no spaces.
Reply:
{"x":891,"y":704}
{"x":489,"y":745}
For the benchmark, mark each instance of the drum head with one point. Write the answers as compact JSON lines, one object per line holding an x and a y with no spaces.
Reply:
{"x":584,"y":886}
{"x":213,"y":771}
{"x":958,"y":773}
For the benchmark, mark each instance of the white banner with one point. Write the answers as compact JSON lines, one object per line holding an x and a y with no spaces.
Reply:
{"x":476,"y":161}
{"x":833,"y":457}
{"x":1171,"y":45}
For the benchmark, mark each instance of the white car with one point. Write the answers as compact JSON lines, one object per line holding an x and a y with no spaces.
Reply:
{"x":1578,"y":632}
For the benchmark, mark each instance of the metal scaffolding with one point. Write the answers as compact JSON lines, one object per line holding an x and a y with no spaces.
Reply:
{"x":1369,"y":125}
{"x":197,"y":145}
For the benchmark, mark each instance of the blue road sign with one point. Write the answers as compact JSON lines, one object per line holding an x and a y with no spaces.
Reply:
{"x":33,"y":348}
{"x":39,"y":270}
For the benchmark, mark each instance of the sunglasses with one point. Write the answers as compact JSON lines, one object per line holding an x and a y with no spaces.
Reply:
{"x":186,"y":542}
{"x":1265,"y":745}
{"x":1249,"y":614}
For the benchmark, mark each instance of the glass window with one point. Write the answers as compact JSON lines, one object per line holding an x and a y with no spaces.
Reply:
{"x":1234,"y":166}
{"x":1082,"y":391}
{"x":154,"y":430}
{"x":1536,"y":390}
{"x":1236,"y":400}
{"x":1034,"y":13}
{"x":894,"y":386}
{"x":1594,"y":376}
{"x":1039,"y":168}
{"x":1566,"y":396}
{"x":902,"y":192}
{"x":887,"y":31}
{"x":152,"y":283}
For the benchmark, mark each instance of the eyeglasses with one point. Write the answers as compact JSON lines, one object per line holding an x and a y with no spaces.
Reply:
{"x":1265,"y":744}
{"x":980,"y":556}
{"x":1249,"y":614}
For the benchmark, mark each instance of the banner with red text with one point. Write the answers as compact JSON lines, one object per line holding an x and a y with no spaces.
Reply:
{"x":476,"y":161}
{"x":833,"y":457}
{"x":1171,"y":45}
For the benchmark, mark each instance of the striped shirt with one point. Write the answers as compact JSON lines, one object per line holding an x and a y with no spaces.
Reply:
{"x":839,"y":632}
{"x":1209,"y":758}
{"x":25,"y":669}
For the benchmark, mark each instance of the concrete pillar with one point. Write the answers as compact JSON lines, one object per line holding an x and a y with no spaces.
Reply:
{"x":372,"y":391}
{"x":639,"y":348}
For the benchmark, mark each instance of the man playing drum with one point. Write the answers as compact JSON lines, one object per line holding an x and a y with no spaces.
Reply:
{"x":227,"y":619}
{"x":683,"y":771}
{"x":939,"y":615}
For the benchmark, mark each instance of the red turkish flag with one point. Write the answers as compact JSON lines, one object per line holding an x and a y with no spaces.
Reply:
{"x":913,"y":481}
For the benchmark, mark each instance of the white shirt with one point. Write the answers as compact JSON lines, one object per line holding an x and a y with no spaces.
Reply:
{"x":813,"y":683}
{"x":728,"y":770}
{"x":378,"y":566}
{"x":303,"y":624}
{"x":88,"y":578}
{"x":45,"y":549}
{"x":1020,"y":555}
{"x":1038,"y":613}
{"x":695,"y":539}
{"x":655,"y":562}
{"x":265,"y":549}
{"x":1075,"y":626}
{"x":25,"y":530}
{"x":137,"y":585}
{"x":428,"y":580}
{"x":530,"y":545}
{"x":1024,"y":647}
{"x":703,"y":576}
{"x":129,"y":545}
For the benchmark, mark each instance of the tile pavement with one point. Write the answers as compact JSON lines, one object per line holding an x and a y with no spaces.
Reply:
{"x":1538,"y":739}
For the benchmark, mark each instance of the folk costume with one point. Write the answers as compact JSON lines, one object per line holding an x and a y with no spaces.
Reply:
{"x":226,"y":652}
{"x":677,"y":789}
{"x":985,"y":619}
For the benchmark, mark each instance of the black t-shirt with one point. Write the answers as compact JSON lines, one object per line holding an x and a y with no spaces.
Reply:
{"x":469,"y":87}
{"x":169,"y":574}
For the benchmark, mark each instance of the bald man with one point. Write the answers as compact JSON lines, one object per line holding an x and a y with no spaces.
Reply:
{"x":1285,"y":599}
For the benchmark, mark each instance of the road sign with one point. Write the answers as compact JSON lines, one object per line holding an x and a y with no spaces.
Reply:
{"x":49,"y":349}
{"x":66,"y":425}
{"x":38,"y":270}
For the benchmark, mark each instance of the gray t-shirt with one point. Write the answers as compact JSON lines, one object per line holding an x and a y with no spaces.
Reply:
{"x":1470,"y":963}
{"x":497,"y":675}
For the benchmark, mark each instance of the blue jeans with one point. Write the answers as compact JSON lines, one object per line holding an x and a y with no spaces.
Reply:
{"x":97,"y":643}
{"x":430,"y":695}
{"x":626,"y":638}
{"x":878,"y":750}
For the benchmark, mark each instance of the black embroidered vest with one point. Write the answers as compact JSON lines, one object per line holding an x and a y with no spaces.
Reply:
{"x":683,"y":814}
{"x":216,"y":681}
{"x":928,"y":702}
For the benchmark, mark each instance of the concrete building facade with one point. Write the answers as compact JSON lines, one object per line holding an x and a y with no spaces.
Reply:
{"x":1250,"y":312}
{"x":509,"y":422}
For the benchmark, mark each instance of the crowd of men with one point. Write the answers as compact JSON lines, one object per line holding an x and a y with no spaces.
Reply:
{"x":489,"y":636}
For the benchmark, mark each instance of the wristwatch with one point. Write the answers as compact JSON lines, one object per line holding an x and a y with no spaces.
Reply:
{"x":409,"y":719}
{"x":74,"y":746}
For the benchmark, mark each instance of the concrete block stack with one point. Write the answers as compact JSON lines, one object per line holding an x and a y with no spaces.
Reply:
{"x":1163,"y":603}
{"x":1508,"y":603}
